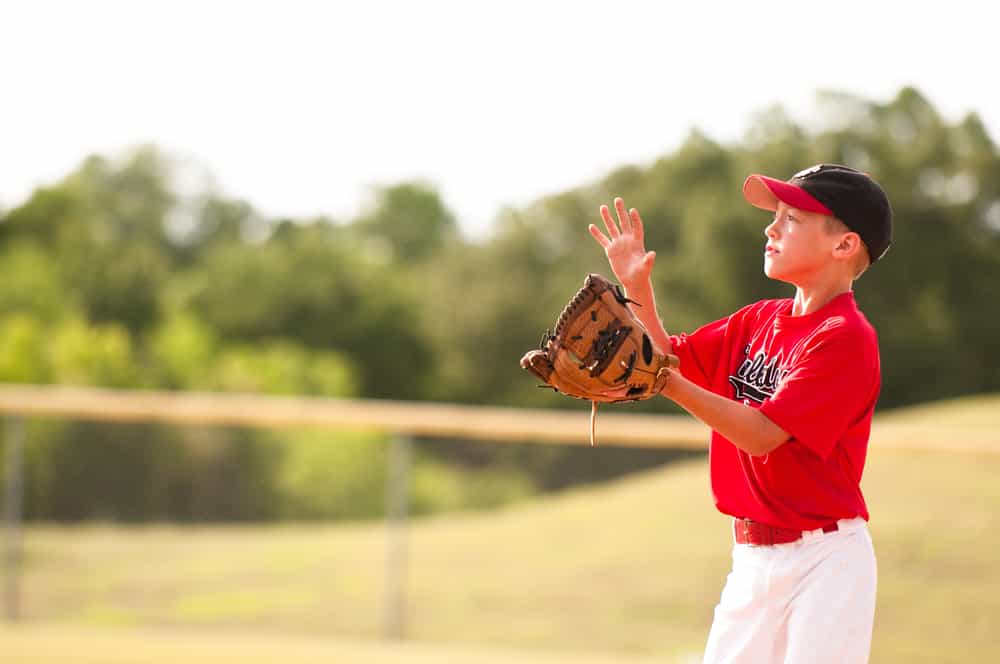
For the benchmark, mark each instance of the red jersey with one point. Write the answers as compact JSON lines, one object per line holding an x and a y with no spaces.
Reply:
{"x":817,"y":377}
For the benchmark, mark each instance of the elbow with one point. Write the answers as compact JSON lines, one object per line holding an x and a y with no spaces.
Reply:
{"x":764,"y":446}
{"x":767,"y":437}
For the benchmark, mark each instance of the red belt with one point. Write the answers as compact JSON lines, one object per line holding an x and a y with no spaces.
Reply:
{"x":756,"y":533}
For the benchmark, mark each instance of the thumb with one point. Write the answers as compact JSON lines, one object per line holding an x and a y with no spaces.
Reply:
{"x":649,"y":259}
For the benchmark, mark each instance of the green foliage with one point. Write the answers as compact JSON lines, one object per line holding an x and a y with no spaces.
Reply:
{"x":333,"y":475}
{"x":104,"y":225}
{"x":183,"y":348}
{"x":314,"y":285}
{"x":100,"y":471}
{"x":32,"y":284}
{"x":210,"y":222}
{"x":438,"y":486}
{"x":342,"y":475}
{"x":408,"y":222}
{"x":114,"y":277}
{"x":72,"y":352}
{"x":82,"y":354}
{"x":22,"y":350}
{"x":924,"y":297}
{"x":122,"y":284}
{"x":280,"y":368}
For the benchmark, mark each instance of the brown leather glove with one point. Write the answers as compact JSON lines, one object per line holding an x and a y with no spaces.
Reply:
{"x":600,"y":351}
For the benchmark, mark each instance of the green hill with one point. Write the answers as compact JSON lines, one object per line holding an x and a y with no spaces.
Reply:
{"x":633,"y":566}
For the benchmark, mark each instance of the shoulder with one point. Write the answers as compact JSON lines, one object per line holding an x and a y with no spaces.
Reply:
{"x":846,"y":321}
{"x":847,"y":327}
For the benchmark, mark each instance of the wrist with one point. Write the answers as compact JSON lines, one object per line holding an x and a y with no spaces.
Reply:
{"x":640,"y":285}
{"x":672,"y":384}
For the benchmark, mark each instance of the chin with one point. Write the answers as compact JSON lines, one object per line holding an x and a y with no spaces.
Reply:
{"x":771,"y":271}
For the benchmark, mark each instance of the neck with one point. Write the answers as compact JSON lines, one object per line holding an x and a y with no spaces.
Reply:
{"x":814,"y":297}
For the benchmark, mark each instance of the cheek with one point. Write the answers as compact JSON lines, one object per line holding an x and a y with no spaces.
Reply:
{"x":800,"y":241}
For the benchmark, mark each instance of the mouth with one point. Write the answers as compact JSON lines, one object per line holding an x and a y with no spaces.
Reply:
{"x":771,"y":250}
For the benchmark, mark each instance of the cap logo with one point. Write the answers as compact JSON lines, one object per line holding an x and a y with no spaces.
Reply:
{"x":808,"y":171}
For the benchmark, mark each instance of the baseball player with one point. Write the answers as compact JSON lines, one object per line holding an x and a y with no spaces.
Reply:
{"x":788,"y":388}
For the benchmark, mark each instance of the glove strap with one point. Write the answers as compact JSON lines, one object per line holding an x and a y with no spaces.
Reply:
{"x":593,"y":422}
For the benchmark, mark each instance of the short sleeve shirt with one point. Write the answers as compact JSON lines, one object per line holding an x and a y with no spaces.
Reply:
{"x":817,"y":377}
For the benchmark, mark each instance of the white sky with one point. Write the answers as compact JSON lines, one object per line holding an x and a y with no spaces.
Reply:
{"x":300,"y":107}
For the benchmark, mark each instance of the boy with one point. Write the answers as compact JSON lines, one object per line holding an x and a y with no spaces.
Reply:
{"x":788,"y":387}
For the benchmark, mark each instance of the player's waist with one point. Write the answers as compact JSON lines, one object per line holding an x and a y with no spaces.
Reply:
{"x":755,"y":533}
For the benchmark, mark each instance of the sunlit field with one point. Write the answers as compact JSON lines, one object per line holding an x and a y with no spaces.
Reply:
{"x":627,"y":571}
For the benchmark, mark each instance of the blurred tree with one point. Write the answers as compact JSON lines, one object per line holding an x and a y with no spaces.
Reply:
{"x":333,"y":474}
{"x":32,"y":283}
{"x":117,"y":276}
{"x":22,"y":350}
{"x":923,"y":298}
{"x":182,"y":350}
{"x":280,"y":368}
{"x":313,"y":284}
{"x":81,"y":354}
{"x":211,"y":221}
{"x":408,"y":222}
{"x":104,"y":224}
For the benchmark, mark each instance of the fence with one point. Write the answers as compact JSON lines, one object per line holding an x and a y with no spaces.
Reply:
{"x":403,"y":420}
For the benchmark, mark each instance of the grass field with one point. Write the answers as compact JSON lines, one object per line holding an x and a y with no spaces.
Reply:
{"x":42,"y":644}
{"x":627,"y":571}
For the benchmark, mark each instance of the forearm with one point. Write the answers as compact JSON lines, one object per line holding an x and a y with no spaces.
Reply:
{"x":642,"y":294}
{"x":747,"y":428}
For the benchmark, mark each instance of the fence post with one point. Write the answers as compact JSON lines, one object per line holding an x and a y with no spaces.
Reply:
{"x":397,"y":498}
{"x":13,"y":482}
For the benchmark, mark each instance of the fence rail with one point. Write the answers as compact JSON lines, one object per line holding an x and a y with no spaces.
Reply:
{"x":411,"y":418}
{"x":616,"y":426}
{"x":402,"y":420}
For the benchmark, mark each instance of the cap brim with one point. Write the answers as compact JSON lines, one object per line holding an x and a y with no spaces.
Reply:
{"x":765,"y":192}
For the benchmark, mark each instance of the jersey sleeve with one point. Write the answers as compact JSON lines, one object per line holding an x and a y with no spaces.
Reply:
{"x":825,"y":393}
{"x":699,"y":352}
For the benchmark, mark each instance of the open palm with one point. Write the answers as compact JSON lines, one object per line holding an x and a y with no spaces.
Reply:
{"x":624,"y":244}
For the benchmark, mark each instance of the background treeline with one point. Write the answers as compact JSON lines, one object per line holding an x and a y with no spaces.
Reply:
{"x":130,"y":273}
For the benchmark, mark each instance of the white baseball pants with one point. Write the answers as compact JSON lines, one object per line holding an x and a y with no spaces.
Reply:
{"x":811,"y":601}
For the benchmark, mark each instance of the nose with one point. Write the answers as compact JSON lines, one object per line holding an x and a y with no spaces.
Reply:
{"x":770,"y":231}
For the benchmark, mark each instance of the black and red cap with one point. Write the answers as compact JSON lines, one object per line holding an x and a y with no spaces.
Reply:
{"x":847,"y":194}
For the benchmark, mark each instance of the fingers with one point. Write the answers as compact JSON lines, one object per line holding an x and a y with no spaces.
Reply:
{"x":609,"y":223}
{"x":637,"y":228}
{"x":628,"y":222}
{"x":623,"y":218}
{"x":599,"y":236}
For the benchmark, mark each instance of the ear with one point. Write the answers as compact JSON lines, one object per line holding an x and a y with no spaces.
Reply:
{"x":848,"y":246}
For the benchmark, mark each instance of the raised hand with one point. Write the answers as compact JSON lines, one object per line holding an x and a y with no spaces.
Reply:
{"x":624,"y":245}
